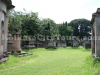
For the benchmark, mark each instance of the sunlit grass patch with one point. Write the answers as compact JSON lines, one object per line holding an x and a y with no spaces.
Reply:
{"x":62,"y":61}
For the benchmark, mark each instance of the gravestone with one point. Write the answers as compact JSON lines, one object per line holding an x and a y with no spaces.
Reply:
{"x":85,"y":39}
{"x":86,"y":43}
{"x":95,"y":22}
{"x":63,"y":43}
{"x":28,"y":44}
{"x":58,"y":43}
{"x":75,"y":43}
{"x":51,"y":44}
{"x":40,"y":43}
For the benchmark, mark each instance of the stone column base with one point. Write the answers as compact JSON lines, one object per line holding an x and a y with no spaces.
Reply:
{"x":1,"y":51}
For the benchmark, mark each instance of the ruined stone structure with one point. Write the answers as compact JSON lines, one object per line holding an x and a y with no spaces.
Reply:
{"x":51,"y":44}
{"x":86,"y":43}
{"x":28,"y":44}
{"x":75,"y":42}
{"x":5,"y":6}
{"x":95,"y":22}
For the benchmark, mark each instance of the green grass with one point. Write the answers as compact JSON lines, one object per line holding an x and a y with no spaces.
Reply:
{"x":61,"y":61}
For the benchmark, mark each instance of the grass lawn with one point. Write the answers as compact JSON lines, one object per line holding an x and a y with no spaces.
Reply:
{"x":61,"y":61}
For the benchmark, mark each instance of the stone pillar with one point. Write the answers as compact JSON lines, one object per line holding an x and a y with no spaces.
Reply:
{"x":9,"y":42}
{"x":0,"y":32}
{"x":5,"y":6}
{"x":5,"y":33}
{"x":1,"y":47}
{"x":97,"y":35}
{"x":16,"y":42}
{"x":1,"y":52}
{"x":58,"y":43}
{"x":93,"y":42}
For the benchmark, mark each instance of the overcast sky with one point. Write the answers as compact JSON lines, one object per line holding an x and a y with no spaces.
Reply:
{"x":59,"y":10}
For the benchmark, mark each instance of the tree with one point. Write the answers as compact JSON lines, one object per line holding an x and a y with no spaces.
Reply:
{"x":30,"y":25}
{"x":48,"y":27}
{"x":81,"y":27}
{"x":15,"y":20}
{"x":27,"y":23}
{"x":65,"y":30}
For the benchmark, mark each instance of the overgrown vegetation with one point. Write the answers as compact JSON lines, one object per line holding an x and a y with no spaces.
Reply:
{"x":61,"y":61}
{"x":30,"y":24}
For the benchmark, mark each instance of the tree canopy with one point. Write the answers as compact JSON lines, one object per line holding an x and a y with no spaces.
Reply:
{"x":81,"y":27}
{"x":29,"y":24}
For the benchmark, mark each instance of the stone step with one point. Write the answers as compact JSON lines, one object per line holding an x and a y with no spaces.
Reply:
{"x":3,"y":59}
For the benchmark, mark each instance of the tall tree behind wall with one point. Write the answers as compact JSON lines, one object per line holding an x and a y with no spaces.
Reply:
{"x":81,"y":27}
{"x":15,"y":20}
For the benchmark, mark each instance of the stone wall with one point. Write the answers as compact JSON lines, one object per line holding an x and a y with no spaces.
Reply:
{"x":5,"y":6}
{"x":95,"y":22}
{"x":3,"y":25}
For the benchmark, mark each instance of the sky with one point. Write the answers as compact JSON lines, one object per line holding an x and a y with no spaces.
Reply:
{"x":59,"y":10}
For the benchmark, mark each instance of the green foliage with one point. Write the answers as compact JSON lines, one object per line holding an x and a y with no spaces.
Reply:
{"x":29,"y":23}
{"x":30,"y":27}
{"x":48,"y":27}
{"x":96,"y":60}
{"x":81,"y":27}
{"x":65,"y":30}
{"x":15,"y":20}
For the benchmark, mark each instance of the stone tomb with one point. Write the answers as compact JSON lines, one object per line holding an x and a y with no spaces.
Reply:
{"x":28,"y":44}
{"x":75,"y":43}
{"x":58,"y":43}
{"x":5,"y":6}
{"x":51,"y":44}
{"x":84,"y":40}
{"x":41,"y":43}
{"x":16,"y":46}
{"x":63,"y":43}
{"x":86,"y":43}
{"x":95,"y":22}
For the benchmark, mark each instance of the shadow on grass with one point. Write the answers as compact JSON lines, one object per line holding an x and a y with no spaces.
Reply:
{"x":28,"y":50}
{"x":89,"y":49}
{"x":76,"y":47}
{"x":51,"y":49}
